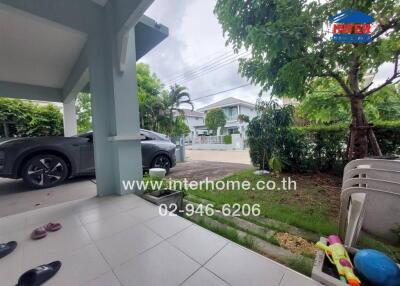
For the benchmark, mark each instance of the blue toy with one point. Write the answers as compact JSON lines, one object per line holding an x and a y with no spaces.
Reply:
{"x":377,"y":268}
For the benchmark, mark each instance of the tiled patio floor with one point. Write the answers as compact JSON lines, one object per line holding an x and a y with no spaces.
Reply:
{"x":123,"y":241}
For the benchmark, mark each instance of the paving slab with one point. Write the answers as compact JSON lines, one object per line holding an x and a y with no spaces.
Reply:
{"x":144,"y":250}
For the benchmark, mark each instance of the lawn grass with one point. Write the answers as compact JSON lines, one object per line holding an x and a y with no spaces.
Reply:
{"x":270,"y":239}
{"x":368,"y":241}
{"x":305,"y":207}
{"x":226,"y":232}
{"x":313,"y":206}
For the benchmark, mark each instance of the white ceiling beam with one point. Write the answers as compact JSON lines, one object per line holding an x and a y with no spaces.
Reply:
{"x":30,"y":92}
{"x":76,"y":14}
{"x":79,"y":76}
{"x":127,"y":14}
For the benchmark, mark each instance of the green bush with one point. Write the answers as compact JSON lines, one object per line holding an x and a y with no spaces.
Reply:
{"x":270,"y":135}
{"x":228,"y":139}
{"x":388,"y":136}
{"x":24,"y":118}
{"x":323,"y":147}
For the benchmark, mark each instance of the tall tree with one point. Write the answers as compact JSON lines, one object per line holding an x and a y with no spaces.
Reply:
{"x":178,"y":96}
{"x":173,"y":102}
{"x":321,"y":107}
{"x":150,"y":101}
{"x":290,"y":48}
{"x":84,"y":112}
{"x":215,"y":118}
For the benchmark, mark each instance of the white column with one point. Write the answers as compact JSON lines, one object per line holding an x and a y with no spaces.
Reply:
{"x":69,"y":113}
{"x":115,"y":108}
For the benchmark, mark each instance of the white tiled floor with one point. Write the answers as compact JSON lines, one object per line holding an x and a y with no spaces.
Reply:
{"x":123,"y":241}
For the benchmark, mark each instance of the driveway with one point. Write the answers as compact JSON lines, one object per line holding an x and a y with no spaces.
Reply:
{"x":15,"y":197}
{"x":228,"y":156}
{"x":196,"y":170}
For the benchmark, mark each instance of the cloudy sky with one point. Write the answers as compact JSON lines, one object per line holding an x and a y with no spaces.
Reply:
{"x":195,"y":40}
{"x":196,"y":43}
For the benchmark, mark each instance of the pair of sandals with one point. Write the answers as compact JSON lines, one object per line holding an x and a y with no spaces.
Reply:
{"x":42,"y":231}
{"x":33,"y":277}
{"x":41,"y":274}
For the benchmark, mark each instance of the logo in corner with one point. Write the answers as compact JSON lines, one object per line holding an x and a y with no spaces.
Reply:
{"x":351,"y":26}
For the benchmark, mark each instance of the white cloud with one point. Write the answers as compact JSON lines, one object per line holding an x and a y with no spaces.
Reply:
{"x":195,"y":37}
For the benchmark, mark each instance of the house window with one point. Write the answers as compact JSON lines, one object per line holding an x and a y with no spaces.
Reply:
{"x":231,"y":113}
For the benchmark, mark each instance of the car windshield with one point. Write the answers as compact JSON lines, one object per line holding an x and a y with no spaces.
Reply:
{"x":148,"y":133}
{"x":157,"y":136}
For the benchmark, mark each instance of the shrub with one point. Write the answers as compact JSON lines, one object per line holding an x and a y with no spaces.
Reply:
{"x":388,"y":135}
{"x":275,"y":164}
{"x":325,"y":145}
{"x":228,"y":139}
{"x":22,"y":118}
{"x":322,"y":148}
{"x":269,"y":134}
{"x":316,"y":147}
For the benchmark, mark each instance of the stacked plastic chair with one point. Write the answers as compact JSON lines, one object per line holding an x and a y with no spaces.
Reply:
{"x":370,"y":199}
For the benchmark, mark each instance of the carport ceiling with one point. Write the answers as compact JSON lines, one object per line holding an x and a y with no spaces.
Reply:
{"x":36,"y":51}
{"x":39,"y":52}
{"x":100,"y":2}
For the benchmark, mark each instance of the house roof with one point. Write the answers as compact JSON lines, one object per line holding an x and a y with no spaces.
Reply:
{"x":226,"y":102}
{"x":351,"y":16}
{"x":192,"y":113}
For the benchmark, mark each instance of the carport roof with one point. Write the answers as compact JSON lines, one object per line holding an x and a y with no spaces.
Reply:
{"x":36,"y":52}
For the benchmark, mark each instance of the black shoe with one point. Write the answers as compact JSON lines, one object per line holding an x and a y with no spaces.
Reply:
{"x":39,"y":275}
{"x":7,"y":248}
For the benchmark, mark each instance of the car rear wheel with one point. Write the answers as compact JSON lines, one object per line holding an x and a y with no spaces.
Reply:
{"x":161,"y":161}
{"x":44,"y":171}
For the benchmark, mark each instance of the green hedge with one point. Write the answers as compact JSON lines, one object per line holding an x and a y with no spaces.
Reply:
{"x":323,"y":147}
{"x":228,"y":139}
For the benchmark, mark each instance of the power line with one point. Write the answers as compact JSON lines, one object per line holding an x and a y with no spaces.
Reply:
{"x":205,"y":67}
{"x":222,"y":91}
{"x":180,"y":73}
{"x":211,"y":69}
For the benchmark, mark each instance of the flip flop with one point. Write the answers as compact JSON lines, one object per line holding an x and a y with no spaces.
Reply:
{"x":39,"y":275}
{"x":39,"y":233}
{"x":53,"y":226}
{"x":7,"y":248}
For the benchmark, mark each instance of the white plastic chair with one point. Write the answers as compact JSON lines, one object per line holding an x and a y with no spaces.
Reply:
{"x":393,"y":165}
{"x":371,"y":173}
{"x":373,"y":205}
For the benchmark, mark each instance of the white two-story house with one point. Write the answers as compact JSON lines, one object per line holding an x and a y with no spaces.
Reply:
{"x":232,"y":108}
{"x":195,"y":121}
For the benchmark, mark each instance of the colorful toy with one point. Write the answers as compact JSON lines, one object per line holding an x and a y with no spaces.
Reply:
{"x":338,"y":256}
{"x":377,"y":268}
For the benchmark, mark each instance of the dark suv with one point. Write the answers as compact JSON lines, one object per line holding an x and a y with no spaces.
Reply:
{"x":44,"y":162}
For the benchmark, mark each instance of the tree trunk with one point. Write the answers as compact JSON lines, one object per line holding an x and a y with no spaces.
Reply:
{"x":361,"y":133}
{"x":358,"y":131}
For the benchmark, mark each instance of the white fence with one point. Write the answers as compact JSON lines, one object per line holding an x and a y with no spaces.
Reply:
{"x":209,"y":140}
{"x":217,"y":143}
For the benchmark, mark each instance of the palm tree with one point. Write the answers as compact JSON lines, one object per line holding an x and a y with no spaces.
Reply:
{"x":174,"y":100}
{"x":178,"y":96}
